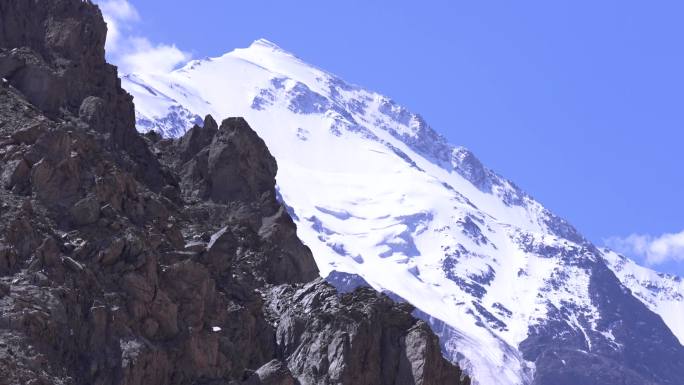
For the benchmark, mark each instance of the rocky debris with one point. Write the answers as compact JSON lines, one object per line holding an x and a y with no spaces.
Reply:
{"x":118,"y":266}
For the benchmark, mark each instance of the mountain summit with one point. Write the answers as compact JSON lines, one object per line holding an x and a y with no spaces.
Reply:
{"x":515,"y":293}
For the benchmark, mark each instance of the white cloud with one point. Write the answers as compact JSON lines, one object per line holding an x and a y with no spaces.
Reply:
{"x":148,"y":58}
{"x":119,"y":10}
{"x":654,"y":250}
{"x":118,"y":14}
{"x":133,"y":53}
{"x":113,"y":34}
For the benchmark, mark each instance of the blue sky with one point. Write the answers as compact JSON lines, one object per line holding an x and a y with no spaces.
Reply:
{"x":581,"y":103}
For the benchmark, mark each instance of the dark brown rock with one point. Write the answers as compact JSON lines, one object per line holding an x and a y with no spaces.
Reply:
{"x":218,"y":172}
{"x":293,"y":262}
{"x":22,"y":236}
{"x":189,"y":283}
{"x":222,"y":249}
{"x":275,"y":372}
{"x":8,"y":259}
{"x":30,"y":134}
{"x":93,"y":111}
{"x":86,"y":211}
{"x":197,"y":138}
{"x":235,"y":149}
{"x":16,"y":174}
{"x":49,"y":252}
{"x":4,"y":289}
{"x":112,"y":253}
{"x":57,"y":183}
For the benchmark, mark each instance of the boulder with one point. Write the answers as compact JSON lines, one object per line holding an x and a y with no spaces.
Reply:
{"x":93,"y":111}
{"x":275,"y":372}
{"x":16,"y":174}
{"x":86,"y":211}
{"x":112,"y":253}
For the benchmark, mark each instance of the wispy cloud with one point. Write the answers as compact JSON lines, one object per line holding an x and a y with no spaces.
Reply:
{"x":143,"y":56}
{"x":130,"y":51}
{"x":653,"y":250}
{"x":119,"y":16}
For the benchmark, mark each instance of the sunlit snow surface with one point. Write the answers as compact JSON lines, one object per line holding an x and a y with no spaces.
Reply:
{"x":376,"y":192}
{"x":662,"y":293}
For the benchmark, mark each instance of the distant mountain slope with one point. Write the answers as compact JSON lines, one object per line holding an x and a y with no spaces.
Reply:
{"x":515,"y":293}
{"x":662,"y":293}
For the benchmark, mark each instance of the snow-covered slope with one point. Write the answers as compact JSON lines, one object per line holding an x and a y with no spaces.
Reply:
{"x":662,"y":293}
{"x":378,"y":194}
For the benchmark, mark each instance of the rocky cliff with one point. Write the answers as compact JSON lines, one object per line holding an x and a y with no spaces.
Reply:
{"x":139,"y":260}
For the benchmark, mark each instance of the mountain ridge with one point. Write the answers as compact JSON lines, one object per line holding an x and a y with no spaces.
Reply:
{"x":377,"y":193}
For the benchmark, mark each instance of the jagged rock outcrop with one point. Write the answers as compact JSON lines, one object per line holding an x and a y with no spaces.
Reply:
{"x":52,"y":52}
{"x":234,"y":166}
{"x":354,"y":338}
{"x":135,"y":260}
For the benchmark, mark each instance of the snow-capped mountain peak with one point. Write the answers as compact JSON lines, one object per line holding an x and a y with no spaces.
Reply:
{"x":265,"y":43}
{"x":516,"y":293}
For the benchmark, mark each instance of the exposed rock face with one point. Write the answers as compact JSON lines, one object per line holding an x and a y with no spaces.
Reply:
{"x":233,"y":164}
{"x":121,"y":267}
{"x":355,"y":338}
{"x":52,"y":52}
{"x":197,"y":138}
